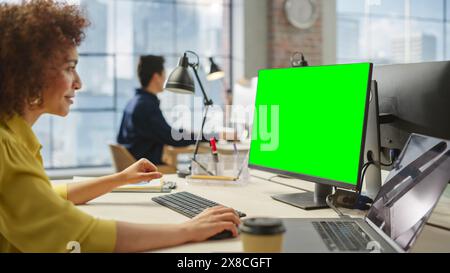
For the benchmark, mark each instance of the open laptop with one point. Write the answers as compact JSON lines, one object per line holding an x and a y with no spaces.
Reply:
{"x":398,"y":214}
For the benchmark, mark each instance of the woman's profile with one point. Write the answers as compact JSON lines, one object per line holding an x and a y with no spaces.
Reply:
{"x":38,"y":59}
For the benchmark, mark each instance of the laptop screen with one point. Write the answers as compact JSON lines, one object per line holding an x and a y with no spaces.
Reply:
{"x":412,"y":189}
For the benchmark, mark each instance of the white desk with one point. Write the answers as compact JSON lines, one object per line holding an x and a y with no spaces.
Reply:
{"x":253,"y":199}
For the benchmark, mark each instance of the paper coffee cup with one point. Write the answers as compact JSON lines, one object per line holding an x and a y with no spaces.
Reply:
{"x":262,"y":235}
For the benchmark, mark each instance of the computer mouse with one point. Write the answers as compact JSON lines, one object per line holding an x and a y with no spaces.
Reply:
{"x":225,"y":234}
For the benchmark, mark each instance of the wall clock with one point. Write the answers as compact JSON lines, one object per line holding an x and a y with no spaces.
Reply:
{"x":301,"y":13}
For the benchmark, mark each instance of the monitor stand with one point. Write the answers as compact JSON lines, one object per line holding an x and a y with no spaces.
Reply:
{"x":372,"y":145}
{"x":307,"y":200}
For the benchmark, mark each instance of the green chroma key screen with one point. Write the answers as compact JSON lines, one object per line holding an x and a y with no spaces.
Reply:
{"x":310,"y":121}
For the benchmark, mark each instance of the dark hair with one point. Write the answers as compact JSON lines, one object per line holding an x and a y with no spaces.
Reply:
{"x":32,"y":35}
{"x":148,"y":66}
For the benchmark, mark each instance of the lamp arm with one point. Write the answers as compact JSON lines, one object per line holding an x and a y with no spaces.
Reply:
{"x":206,"y":101}
{"x":197,"y":142}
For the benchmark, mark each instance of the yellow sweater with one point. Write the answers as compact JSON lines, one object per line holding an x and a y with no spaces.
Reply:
{"x":34,"y":217}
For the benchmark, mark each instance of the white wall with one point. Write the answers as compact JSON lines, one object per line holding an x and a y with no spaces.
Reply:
{"x":251,"y":37}
{"x":329,"y":20}
{"x":250,"y":29}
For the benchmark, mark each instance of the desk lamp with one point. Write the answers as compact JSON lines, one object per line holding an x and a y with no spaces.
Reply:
{"x":180,"y":81}
{"x":215,"y":73}
{"x":298,"y":60}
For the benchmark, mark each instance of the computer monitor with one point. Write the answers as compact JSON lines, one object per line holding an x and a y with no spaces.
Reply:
{"x":418,"y":98}
{"x":310,"y":123}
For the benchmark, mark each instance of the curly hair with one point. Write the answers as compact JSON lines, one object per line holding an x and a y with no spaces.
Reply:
{"x":32,"y":35}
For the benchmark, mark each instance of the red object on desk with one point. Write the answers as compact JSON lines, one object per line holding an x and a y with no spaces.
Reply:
{"x":212,"y":143}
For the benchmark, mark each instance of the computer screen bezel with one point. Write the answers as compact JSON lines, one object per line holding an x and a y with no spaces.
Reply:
{"x":316,"y":179}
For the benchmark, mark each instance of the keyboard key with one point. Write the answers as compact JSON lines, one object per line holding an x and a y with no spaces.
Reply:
{"x":343,"y":236}
{"x":187,"y":203}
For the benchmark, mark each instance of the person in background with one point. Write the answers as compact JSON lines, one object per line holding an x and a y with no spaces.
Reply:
{"x":38,"y":59}
{"x":144,"y":130}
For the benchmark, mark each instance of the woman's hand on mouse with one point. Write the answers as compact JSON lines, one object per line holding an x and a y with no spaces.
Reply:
{"x":210,"y":222}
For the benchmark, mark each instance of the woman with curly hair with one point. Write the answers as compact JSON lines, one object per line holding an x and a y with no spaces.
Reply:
{"x":38,"y":58}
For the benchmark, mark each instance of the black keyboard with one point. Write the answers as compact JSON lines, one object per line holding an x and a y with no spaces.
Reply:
{"x":187,"y":203}
{"x":342,"y":236}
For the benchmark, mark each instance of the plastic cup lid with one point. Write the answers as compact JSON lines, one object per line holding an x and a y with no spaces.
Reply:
{"x":262,"y":226}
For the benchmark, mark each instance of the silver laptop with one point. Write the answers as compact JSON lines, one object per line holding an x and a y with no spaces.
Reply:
{"x":398,"y":214}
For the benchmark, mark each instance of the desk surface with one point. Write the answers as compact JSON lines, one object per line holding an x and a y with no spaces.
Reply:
{"x":253,"y":198}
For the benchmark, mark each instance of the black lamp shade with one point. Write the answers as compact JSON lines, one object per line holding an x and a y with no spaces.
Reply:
{"x":215,"y":72}
{"x":180,"y":81}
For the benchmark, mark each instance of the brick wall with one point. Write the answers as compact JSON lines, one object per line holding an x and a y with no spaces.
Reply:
{"x":285,"y":39}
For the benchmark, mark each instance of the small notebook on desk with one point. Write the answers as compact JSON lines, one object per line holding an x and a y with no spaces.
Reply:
{"x":155,"y":185}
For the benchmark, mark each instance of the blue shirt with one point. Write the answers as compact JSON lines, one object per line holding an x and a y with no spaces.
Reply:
{"x":144,"y":131}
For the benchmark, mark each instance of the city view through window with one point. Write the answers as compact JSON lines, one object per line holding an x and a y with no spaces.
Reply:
{"x":380,"y":31}
{"x":392,"y":31}
{"x":120,"y":32}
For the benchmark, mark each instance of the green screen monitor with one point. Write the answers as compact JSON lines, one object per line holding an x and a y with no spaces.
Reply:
{"x":310,"y":123}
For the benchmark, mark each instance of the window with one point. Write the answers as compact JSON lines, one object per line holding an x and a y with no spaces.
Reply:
{"x":121,"y":31}
{"x":392,"y":31}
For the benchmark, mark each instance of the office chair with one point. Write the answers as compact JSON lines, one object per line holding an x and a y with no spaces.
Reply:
{"x":122,"y":159}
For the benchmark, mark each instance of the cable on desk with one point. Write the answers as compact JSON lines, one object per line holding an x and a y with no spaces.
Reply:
{"x":263,"y":178}
{"x":270,"y":179}
{"x":364,"y":169}
{"x":387,"y":165}
{"x":363,"y":174}
{"x":438,"y":226}
{"x":331,"y":205}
